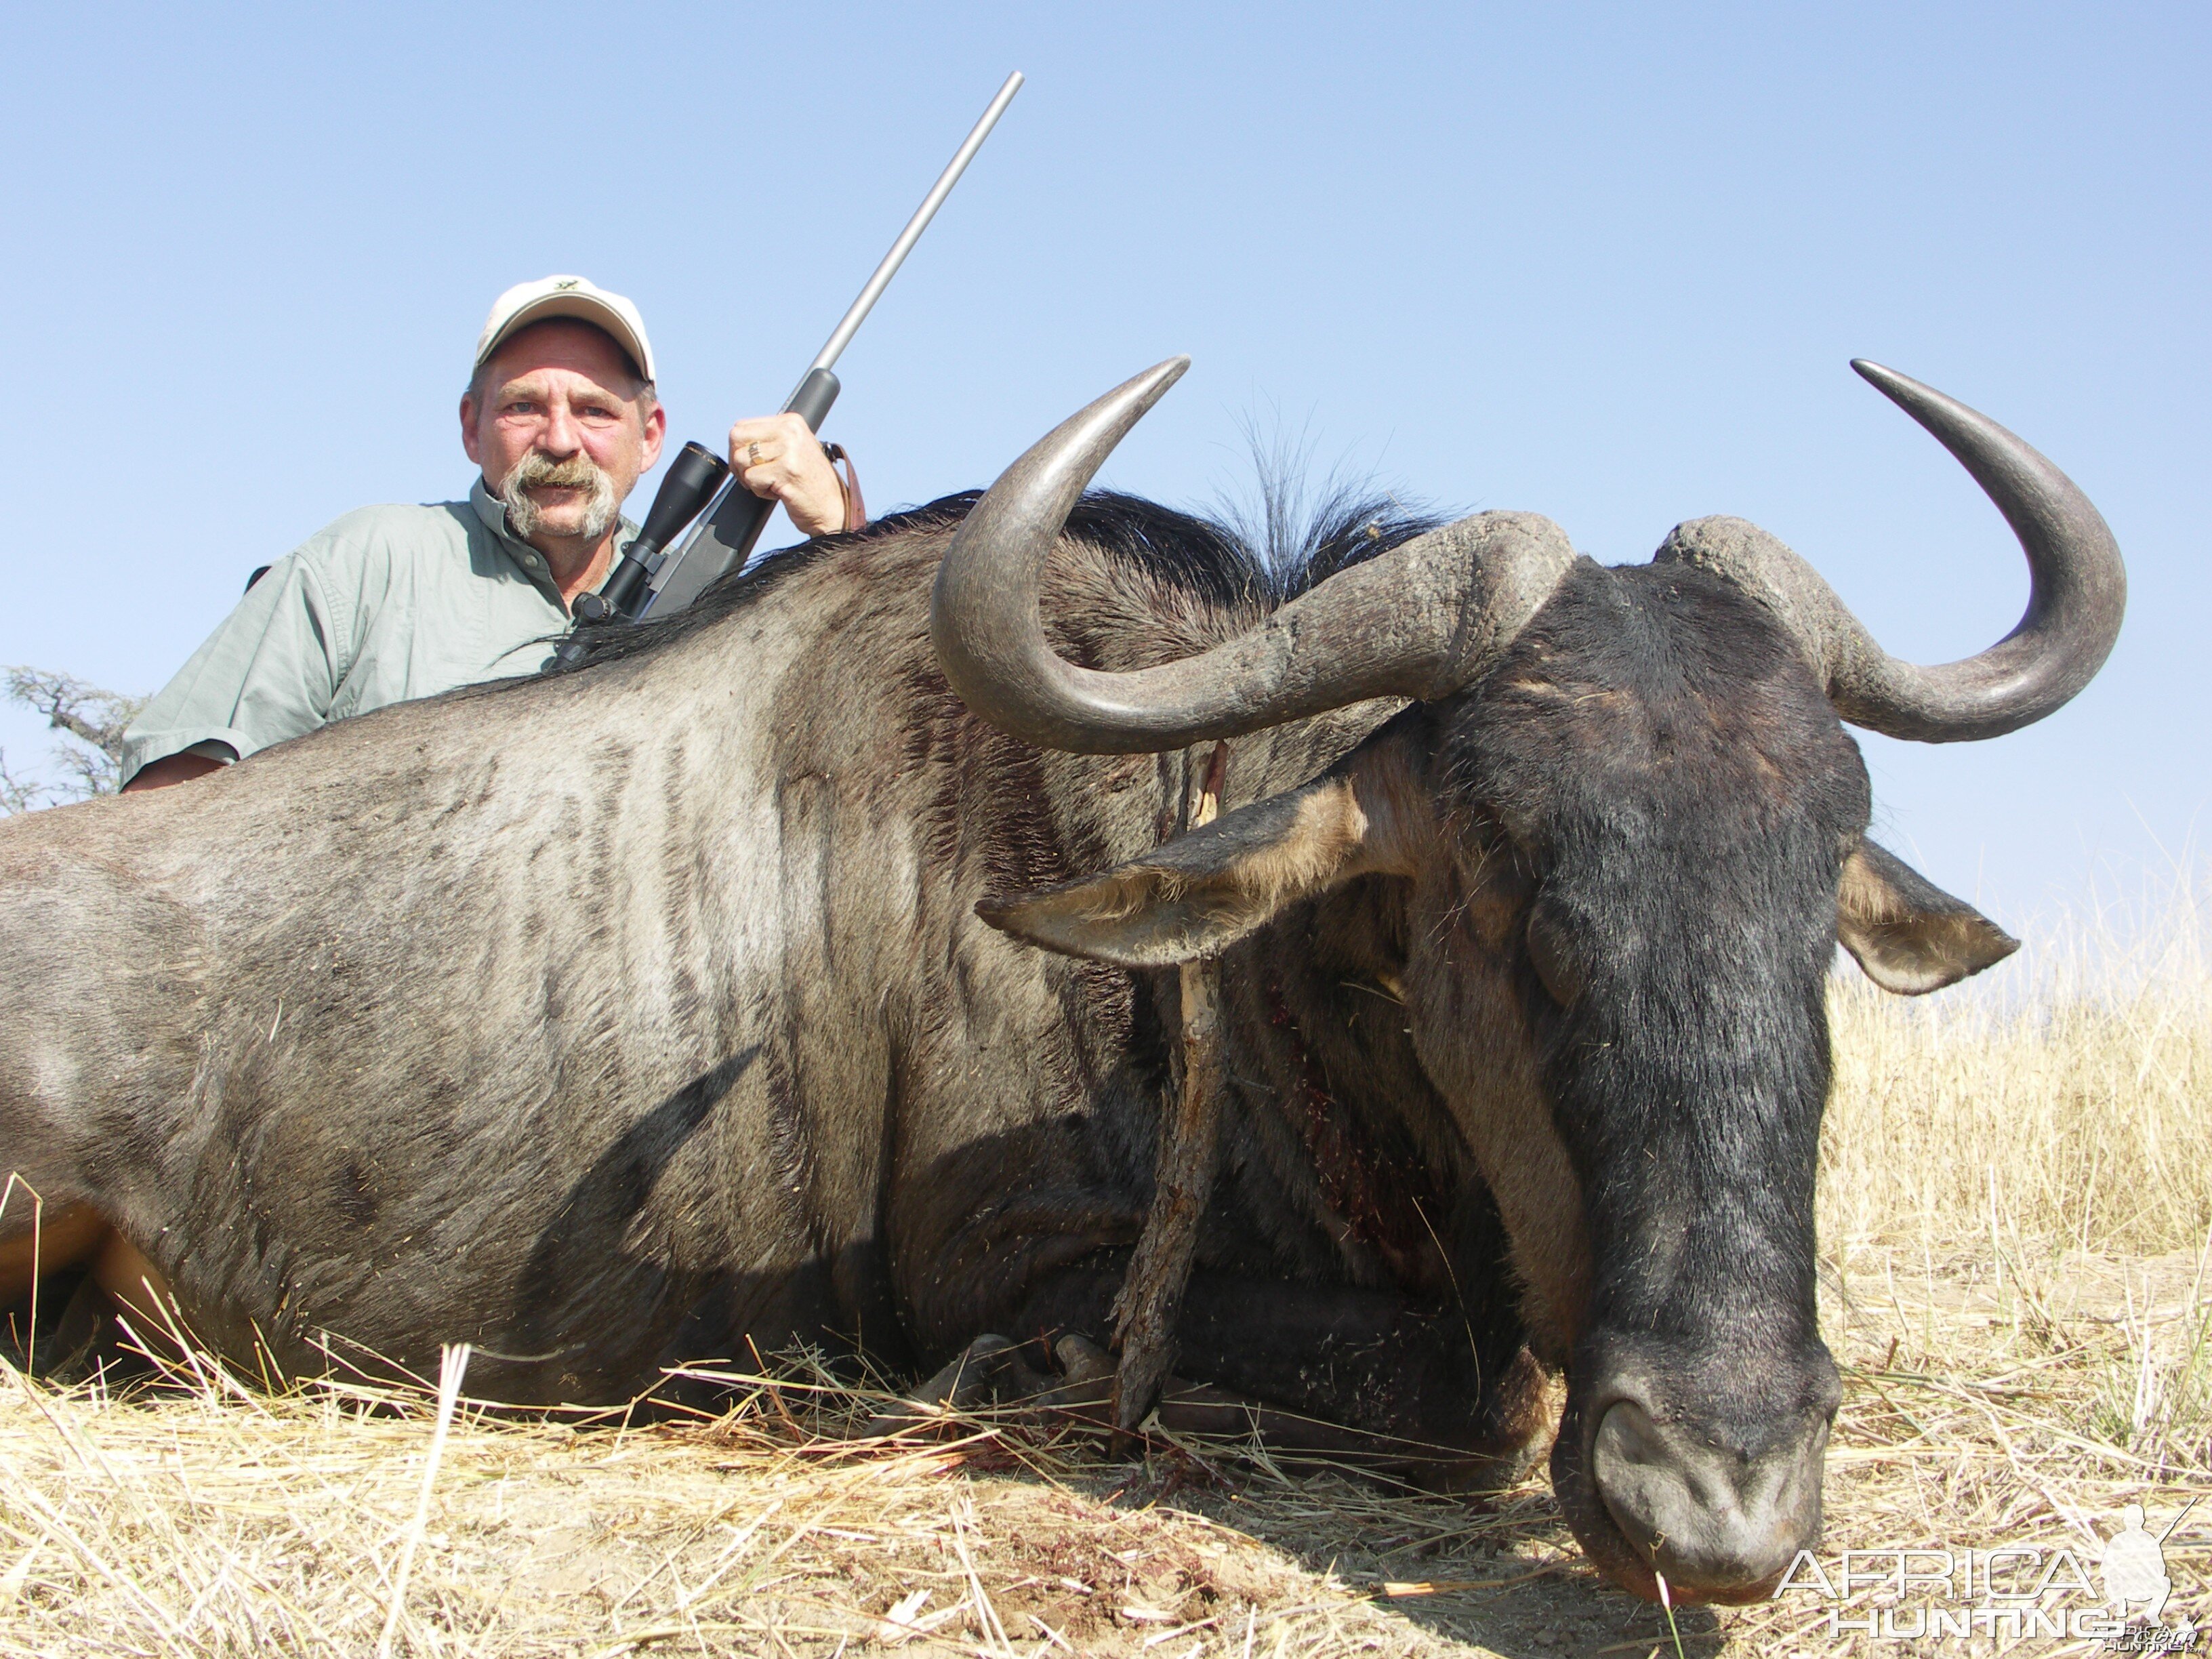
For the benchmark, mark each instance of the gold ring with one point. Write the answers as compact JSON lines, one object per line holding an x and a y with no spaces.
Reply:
{"x":752,"y":453}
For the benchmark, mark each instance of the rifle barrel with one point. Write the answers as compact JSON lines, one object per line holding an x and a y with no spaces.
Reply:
{"x":841,"y":335}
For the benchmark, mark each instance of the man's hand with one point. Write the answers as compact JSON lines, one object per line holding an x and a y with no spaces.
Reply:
{"x":777,"y":457}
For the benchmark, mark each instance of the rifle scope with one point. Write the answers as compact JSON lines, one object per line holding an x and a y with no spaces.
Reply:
{"x":691,"y":480}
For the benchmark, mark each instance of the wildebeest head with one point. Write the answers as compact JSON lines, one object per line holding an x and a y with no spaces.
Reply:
{"x":1629,"y":830}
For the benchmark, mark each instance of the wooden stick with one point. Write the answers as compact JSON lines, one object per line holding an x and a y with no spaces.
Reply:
{"x":1159,"y":1270}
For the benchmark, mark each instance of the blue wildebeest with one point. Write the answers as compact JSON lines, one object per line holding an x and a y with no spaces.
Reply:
{"x":611,"y":1019}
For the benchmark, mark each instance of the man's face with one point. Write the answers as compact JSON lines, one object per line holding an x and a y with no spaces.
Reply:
{"x":560,"y":403}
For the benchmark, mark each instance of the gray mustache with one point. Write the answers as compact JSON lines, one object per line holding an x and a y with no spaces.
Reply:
{"x":539,"y":471}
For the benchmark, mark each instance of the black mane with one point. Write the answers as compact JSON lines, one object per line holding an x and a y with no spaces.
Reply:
{"x":1200,"y":555}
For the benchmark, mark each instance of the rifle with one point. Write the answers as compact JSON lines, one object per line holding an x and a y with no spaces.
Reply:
{"x":698,"y":485}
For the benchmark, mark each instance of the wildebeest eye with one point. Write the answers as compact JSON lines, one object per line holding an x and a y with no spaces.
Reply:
{"x":1551,"y":955}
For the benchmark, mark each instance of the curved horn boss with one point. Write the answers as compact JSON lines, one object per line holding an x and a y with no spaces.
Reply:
{"x":1425,"y":620}
{"x":2078,"y":589}
{"x":1418,"y":622}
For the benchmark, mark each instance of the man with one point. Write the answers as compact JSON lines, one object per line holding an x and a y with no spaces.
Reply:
{"x":391,"y":603}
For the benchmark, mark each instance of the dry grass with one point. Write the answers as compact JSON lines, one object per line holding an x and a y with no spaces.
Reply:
{"x":2016,"y":1207}
{"x":2066,"y":1105}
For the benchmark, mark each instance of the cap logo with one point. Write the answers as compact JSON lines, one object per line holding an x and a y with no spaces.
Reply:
{"x":565,"y":283}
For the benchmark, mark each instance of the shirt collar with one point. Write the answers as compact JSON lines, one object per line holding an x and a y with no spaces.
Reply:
{"x":491,"y":511}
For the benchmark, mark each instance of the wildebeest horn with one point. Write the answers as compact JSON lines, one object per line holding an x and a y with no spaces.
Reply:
{"x":1420,"y":621}
{"x":2077,"y":589}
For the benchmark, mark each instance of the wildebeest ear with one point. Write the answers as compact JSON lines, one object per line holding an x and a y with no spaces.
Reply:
{"x":1210,"y":888}
{"x":1909,"y":934}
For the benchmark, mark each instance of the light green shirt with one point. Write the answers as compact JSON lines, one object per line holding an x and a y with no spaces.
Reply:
{"x":387,"y":603}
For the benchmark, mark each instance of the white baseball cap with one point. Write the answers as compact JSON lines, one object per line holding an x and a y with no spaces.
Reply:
{"x":566,"y":296}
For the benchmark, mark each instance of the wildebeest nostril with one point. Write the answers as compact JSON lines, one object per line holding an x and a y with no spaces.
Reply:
{"x":1716,"y":1523}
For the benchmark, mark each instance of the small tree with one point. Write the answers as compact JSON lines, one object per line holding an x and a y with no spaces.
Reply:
{"x":92,"y":720}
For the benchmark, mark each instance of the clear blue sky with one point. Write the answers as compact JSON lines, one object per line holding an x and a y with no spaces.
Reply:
{"x":1606,"y":262}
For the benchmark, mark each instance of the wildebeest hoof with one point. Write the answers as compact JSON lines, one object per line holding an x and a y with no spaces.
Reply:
{"x":990,"y":1368}
{"x":85,"y":1337}
{"x":1082,"y":1360}
{"x":1085,"y":1390}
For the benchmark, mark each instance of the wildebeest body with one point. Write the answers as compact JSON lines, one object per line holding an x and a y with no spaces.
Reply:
{"x":603,"y":1020}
